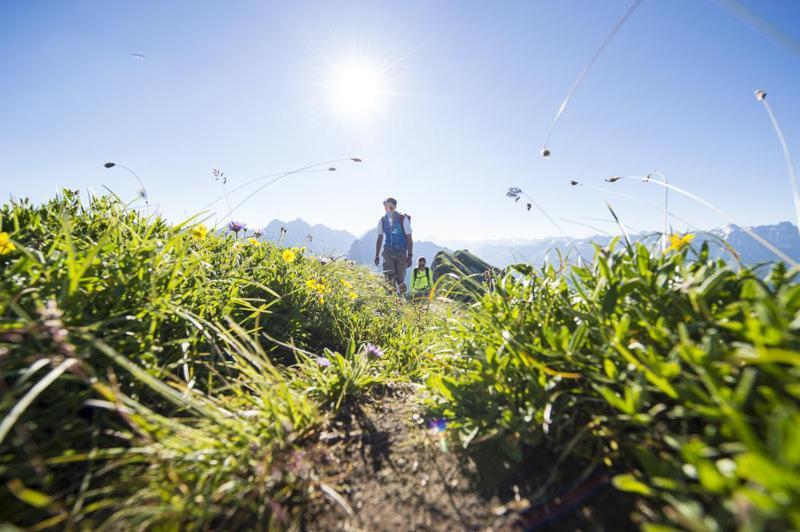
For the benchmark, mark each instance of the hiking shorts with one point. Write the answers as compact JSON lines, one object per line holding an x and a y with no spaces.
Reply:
{"x":394,"y":266}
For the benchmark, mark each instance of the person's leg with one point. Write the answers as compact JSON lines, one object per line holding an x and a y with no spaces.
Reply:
{"x":388,"y":268}
{"x":400,"y":272}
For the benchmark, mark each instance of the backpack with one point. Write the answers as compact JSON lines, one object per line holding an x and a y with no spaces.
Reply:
{"x":396,"y":240}
{"x":427,"y":274}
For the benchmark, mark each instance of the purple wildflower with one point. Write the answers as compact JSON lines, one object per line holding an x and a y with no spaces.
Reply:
{"x":373,"y":350}
{"x":236,"y":226}
{"x":322,"y":362}
{"x":437,"y":425}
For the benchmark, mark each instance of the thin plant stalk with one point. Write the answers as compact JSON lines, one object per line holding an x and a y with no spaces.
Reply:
{"x":762,"y":96}
{"x":284,"y":175}
{"x":593,"y":228}
{"x":226,"y":196}
{"x":780,"y":254}
{"x":666,"y":207}
{"x":605,"y":220}
{"x":552,"y":221}
{"x":545,"y":152}
{"x":142,"y":189}
{"x":748,"y":16}
{"x":640,"y":202}
{"x":250,"y":182}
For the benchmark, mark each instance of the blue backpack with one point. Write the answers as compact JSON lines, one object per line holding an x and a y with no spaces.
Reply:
{"x":393,"y":234}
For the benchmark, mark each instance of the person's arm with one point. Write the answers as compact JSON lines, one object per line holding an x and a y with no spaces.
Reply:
{"x":409,"y":240}
{"x":378,"y":244}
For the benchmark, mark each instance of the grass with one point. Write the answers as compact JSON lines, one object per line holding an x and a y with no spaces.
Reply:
{"x":140,"y":383}
{"x":175,"y":377}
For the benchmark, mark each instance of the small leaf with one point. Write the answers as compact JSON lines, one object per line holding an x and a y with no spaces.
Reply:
{"x":610,"y":368}
{"x":37,"y":499}
{"x":630,"y":484}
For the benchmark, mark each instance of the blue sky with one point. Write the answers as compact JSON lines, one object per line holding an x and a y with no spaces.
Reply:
{"x":471,"y":89}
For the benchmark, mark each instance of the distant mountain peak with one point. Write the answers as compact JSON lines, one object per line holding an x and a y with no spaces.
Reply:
{"x":323,"y":241}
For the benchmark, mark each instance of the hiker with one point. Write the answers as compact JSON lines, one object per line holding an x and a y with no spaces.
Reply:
{"x":395,"y":229}
{"x":421,"y":281}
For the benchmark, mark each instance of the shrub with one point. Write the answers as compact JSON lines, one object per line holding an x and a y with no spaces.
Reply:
{"x":681,"y":375}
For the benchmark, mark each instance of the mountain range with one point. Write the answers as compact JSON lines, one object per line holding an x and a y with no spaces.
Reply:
{"x":322,"y":240}
{"x":783,"y":235}
{"x":318,"y":239}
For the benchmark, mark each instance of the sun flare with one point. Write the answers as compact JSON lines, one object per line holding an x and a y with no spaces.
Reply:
{"x":356,"y":90}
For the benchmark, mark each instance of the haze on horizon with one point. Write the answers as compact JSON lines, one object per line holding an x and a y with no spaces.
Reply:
{"x":447,"y":104}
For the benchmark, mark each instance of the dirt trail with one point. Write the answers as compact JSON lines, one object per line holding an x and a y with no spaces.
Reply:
{"x":389,"y":472}
{"x":384,"y":469}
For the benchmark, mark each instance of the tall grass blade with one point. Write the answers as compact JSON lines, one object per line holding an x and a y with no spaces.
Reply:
{"x":621,"y":227}
{"x":20,"y":406}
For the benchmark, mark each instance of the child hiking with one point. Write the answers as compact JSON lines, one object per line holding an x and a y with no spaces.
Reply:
{"x":394,"y":233}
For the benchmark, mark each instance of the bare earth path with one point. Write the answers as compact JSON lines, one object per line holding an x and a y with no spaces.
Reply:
{"x":381,"y":468}
{"x":389,"y":472}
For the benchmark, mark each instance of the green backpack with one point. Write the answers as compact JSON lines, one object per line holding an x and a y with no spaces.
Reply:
{"x":427,"y":274}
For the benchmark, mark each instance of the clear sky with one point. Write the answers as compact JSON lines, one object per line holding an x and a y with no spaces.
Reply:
{"x":449,"y":106}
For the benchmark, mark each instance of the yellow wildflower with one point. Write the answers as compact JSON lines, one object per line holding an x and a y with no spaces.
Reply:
{"x":199,"y":232}
{"x":289,"y":255}
{"x":6,"y":245}
{"x":317,"y":286}
{"x":353,"y":295}
{"x":678,"y":242}
{"x":253,"y":242}
{"x":346,"y":283}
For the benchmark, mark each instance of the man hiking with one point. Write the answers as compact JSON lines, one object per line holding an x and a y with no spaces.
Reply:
{"x":395,"y":229}
{"x":421,"y":281}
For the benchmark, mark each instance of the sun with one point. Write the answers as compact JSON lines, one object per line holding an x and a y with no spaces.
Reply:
{"x":357,"y":90}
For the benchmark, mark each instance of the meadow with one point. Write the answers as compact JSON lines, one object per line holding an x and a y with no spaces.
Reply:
{"x":141,"y":385}
{"x":171,"y":376}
